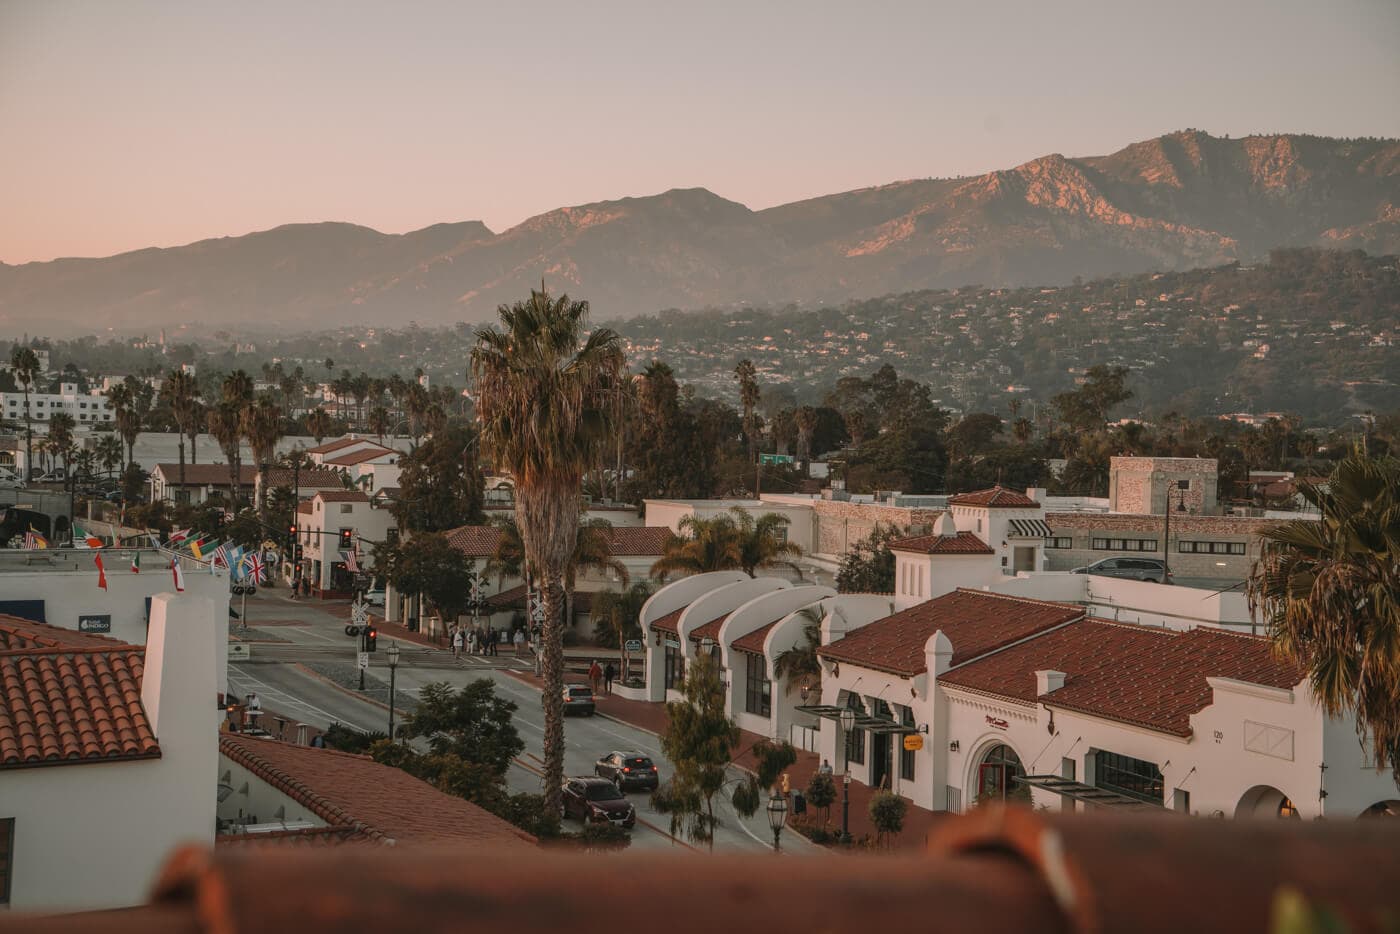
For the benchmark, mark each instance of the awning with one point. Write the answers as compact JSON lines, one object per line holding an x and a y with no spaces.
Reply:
{"x":1028,"y":528}
{"x":863,"y":720}
{"x":1089,"y":794}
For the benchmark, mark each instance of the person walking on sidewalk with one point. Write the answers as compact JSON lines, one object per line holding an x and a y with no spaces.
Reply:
{"x":609,"y":672}
{"x":519,"y":641}
{"x":457,"y":643}
{"x":595,"y":674}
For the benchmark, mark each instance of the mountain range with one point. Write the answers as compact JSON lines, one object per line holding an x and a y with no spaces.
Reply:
{"x":1181,"y":200}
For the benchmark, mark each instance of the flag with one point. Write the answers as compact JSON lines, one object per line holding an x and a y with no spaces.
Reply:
{"x":255,"y":567}
{"x":180,"y":536}
{"x":351,"y":564}
{"x":179,"y":575}
{"x":101,"y":572}
{"x":235,"y":562}
{"x":155,"y":540}
{"x":85,"y":539}
{"x":194,"y":549}
{"x":220,"y":558}
{"x":136,"y":562}
{"x":33,"y":540}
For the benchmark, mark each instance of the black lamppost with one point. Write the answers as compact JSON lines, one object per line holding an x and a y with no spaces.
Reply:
{"x":777,"y":814}
{"x":1167,"y":532}
{"x":393,"y":683}
{"x":848,"y":723}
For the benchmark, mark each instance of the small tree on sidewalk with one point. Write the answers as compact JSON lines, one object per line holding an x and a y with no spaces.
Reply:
{"x":821,"y":794}
{"x":887,"y":811}
{"x":700,"y":741}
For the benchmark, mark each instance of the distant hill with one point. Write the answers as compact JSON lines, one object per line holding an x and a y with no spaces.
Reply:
{"x":1179,"y":201}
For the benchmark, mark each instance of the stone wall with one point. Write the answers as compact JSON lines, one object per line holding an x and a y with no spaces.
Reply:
{"x":840,"y":525}
{"x":1134,"y":485}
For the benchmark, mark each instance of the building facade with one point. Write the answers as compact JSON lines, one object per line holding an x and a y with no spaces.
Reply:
{"x":86,"y":408}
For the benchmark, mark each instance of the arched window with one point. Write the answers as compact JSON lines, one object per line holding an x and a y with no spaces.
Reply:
{"x":997,"y":773}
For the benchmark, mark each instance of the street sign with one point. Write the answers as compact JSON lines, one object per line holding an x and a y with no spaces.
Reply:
{"x":237,"y":650}
{"x":359,"y":613}
{"x":913,"y":742}
{"x":633,"y":645}
{"x":362,"y":662}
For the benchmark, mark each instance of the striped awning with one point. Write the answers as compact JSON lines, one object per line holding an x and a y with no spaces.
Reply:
{"x":1028,"y":528}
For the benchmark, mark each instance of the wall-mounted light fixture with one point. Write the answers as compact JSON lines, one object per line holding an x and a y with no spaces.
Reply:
{"x":954,"y":746}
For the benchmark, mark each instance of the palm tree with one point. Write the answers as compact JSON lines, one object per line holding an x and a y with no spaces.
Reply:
{"x":379,"y":422}
{"x":109,"y":453}
{"x":749,"y":395}
{"x":237,"y":391}
{"x":179,"y":391}
{"x":508,"y":560}
{"x":61,"y":427}
{"x":763,"y":542}
{"x":198,"y":412}
{"x":318,"y":422}
{"x":704,"y":545}
{"x":592,"y":552}
{"x":122,"y":398}
{"x":226,"y":425}
{"x":621,"y":611}
{"x":1329,"y":591}
{"x":799,"y":665}
{"x":542,"y":400}
{"x":806,"y":420}
{"x":26,"y":366}
{"x":262,"y":426}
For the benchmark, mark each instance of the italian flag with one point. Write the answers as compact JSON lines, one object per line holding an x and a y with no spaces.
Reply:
{"x":136,"y":562}
{"x":179,"y":575}
{"x":101,"y":572}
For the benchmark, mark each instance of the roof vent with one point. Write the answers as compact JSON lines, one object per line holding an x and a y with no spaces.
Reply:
{"x":1048,"y":681}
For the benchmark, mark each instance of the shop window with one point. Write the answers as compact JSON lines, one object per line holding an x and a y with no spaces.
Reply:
{"x":758,"y":690}
{"x":906,"y":756}
{"x":1135,"y":778}
{"x":855,"y":739}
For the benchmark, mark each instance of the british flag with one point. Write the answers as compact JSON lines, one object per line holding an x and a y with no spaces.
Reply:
{"x":255,"y":567}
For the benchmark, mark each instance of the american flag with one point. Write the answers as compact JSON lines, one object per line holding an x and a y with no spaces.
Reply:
{"x":220,"y":559}
{"x":33,"y":540}
{"x":351,"y":564}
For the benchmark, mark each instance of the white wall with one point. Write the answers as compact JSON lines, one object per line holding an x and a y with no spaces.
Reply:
{"x":260,"y":801}
{"x":667,"y":600}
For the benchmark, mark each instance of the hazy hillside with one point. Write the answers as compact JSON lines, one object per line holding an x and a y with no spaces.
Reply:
{"x":1179,"y":201}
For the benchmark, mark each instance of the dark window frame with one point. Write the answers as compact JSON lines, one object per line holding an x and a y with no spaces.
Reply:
{"x":674,"y":666}
{"x":1059,"y":542}
{"x":7,"y":857}
{"x":907,"y":757}
{"x":855,"y":739}
{"x":1136,"y":778}
{"x":758,"y":690}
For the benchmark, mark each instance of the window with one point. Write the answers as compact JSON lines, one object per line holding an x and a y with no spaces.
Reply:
{"x":1059,"y":541}
{"x":1135,"y":778}
{"x":758,"y":690}
{"x":906,"y":756}
{"x":7,"y":853}
{"x":855,"y":739}
{"x":346,"y":508}
{"x":1211,"y":548}
{"x":675,"y":665}
{"x":780,"y":534}
{"x":1124,"y":544}
{"x":921,"y":580}
{"x":1183,"y":484}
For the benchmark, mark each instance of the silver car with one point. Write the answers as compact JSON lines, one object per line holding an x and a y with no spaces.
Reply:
{"x":1137,"y":569}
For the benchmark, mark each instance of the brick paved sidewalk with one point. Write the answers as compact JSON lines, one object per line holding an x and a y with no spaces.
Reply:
{"x":918,"y":822}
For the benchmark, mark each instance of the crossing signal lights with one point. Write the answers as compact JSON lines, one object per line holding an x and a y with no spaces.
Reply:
{"x":346,"y":539}
{"x":371,"y":639}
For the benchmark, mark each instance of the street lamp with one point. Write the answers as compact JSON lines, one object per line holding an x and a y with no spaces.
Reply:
{"x":848,"y":723}
{"x":393,"y":685}
{"x":1167,"y":532}
{"x":777,"y":814}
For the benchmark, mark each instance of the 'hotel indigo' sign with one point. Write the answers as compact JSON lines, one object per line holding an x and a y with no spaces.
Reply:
{"x":97,"y":622}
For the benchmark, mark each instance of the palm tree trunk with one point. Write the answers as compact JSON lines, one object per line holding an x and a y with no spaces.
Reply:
{"x":182,"y":460}
{"x":552,"y":659}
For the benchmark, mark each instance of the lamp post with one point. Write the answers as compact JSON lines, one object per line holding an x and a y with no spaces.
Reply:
{"x":777,"y":814}
{"x":848,"y":722}
{"x":1167,"y":532}
{"x":393,"y":684}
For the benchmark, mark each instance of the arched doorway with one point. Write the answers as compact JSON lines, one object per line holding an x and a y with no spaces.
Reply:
{"x":1267,"y":802}
{"x":997,"y":770}
{"x":1382,"y":809}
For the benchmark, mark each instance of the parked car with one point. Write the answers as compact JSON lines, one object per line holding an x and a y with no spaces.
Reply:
{"x":1138,"y":569}
{"x":597,"y":800}
{"x":53,"y":476}
{"x":10,"y":483}
{"x":375,"y":597}
{"x":627,"y":770}
{"x":578,"y":698}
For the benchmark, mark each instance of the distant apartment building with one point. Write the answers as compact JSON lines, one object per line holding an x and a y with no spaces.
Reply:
{"x":86,"y":408}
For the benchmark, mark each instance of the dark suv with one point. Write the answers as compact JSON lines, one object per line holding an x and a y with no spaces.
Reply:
{"x":1138,"y":569}
{"x":598,"y":801}
{"x":627,"y":770}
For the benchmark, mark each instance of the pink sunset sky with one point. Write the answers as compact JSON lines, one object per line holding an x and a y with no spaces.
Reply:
{"x":137,"y":124}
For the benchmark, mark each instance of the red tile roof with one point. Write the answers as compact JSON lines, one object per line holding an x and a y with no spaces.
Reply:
{"x":975,"y":622}
{"x":508,"y":599}
{"x":216,"y":475}
{"x":474,"y":541}
{"x":342,"y":496}
{"x":305,"y":507}
{"x":68,"y":698}
{"x":709,"y":630}
{"x":385,"y":804}
{"x":639,"y":541}
{"x":752,"y":642}
{"x":358,"y":457}
{"x":998,"y":497}
{"x":335,"y":445}
{"x":1148,"y":677}
{"x":668,"y":622}
{"x":963,"y":543}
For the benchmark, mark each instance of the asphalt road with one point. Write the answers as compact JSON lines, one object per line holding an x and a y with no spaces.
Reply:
{"x":317,"y":635}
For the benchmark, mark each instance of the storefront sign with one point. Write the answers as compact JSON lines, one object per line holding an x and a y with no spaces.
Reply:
{"x":633,"y":645}
{"x":997,"y":723}
{"x":913,"y":742}
{"x":97,"y":622}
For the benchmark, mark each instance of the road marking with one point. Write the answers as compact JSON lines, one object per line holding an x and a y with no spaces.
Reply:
{"x":275,"y":692}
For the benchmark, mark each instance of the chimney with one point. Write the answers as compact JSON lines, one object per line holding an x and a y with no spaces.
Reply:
{"x":1048,"y":681}
{"x":1036,"y":493}
{"x":944,"y":526}
{"x":938,"y":654}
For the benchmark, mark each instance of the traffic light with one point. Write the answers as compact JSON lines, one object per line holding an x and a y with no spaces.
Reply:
{"x":292,"y":530}
{"x":346,"y":538}
{"x":371,"y":639}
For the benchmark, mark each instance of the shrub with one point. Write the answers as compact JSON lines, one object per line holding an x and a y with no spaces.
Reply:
{"x":604,"y":837}
{"x":887,"y":811}
{"x":821,"y":794}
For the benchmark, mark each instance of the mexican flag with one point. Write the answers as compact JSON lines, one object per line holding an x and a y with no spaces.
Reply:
{"x":136,"y":562}
{"x":179,"y":575}
{"x":84,"y":539}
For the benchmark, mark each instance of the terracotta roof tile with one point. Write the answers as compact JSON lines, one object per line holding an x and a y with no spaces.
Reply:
{"x":998,"y":497}
{"x":342,"y":496}
{"x":217,"y":475}
{"x":474,"y":541}
{"x":639,"y":541}
{"x":1154,"y":678}
{"x":709,"y":630}
{"x":355,"y":792}
{"x":308,"y":478}
{"x":17,"y":633}
{"x":510,"y":598}
{"x":963,"y":543}
{"x":305,"y":507}
{"x":974,"y":621}
{"x":335,"y":445}
{"x":752,"y":642}
{"x":669,"y":622}
{"x":358,"y":457}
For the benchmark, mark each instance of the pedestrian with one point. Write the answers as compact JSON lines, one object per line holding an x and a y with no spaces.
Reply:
{"x":825,"y":767}
{"x":495,"y":642}
{"x":471,"y":642}
{"x":595,"y":674}
{"x":457,"y":643}
{"x":519,"y":641}
{"x":609,"y":672}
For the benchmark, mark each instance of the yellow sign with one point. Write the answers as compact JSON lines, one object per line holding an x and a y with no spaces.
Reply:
{"x":913,"y":742}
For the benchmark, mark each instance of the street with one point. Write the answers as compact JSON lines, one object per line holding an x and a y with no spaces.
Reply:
{"x":316,"y":636}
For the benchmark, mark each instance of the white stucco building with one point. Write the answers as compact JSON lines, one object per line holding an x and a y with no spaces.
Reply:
{"x":335,"y":527}
{"x":86,"y":408}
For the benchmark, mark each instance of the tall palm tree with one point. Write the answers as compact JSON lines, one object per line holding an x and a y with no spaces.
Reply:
{"x":237,"y":391}
{"x":26,"y":366}
{"x":620,"y":611}
{"x":122,"y":398}
{"x":542,"y":400}
{"x":179,"y":391}
{"x":198,"y":412}
{"x":1329,"y":591}
{"x":799,"y":665}
{"x":262,"y":426}
{"x":763,"y":542}
{"x":508,"y":560}
{"x":704,"y":545}
{"x":109,"y":453}
{"x":592,"y":552}
{"x":379,"y":422}
{"x":226,"y":425}
{"x":749,"y":394}
{"x":806,"y":420}
{"x":61,"y":426}
{"x":318,"y":422}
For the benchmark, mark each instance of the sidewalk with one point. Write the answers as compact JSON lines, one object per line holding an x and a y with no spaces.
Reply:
{"x":651,"y":717}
